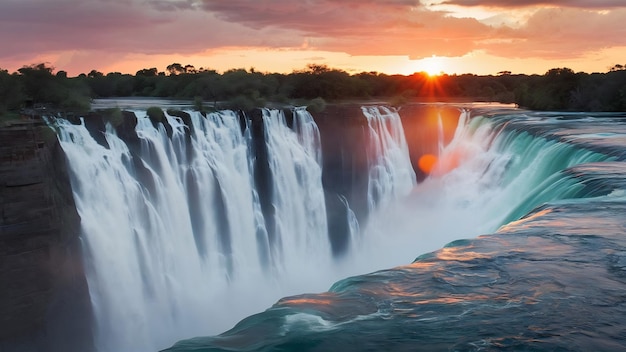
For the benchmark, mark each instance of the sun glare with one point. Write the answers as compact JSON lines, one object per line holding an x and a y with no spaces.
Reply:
{"x":433,"y":65}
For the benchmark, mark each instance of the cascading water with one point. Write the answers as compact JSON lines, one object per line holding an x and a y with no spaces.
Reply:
{"x":153,"y":261}
{"x":188,"y":230}
{"x":308,"y":133}
{"x":174,"y":233}
{"x":522,"y":272}
{"x":391,"y":175}
{"x":298,"y":197}
{"x":483,"y":178}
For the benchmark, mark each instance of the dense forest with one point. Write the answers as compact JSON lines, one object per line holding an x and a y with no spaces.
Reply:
{"x":558,"y":89}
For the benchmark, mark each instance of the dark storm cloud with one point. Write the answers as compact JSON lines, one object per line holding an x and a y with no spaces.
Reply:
{"x":590,"y":4}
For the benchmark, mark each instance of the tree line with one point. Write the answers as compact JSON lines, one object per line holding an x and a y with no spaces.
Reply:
{"x":558,"y":89}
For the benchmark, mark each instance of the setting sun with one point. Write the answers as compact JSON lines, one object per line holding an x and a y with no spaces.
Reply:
{"x":433,"y":65}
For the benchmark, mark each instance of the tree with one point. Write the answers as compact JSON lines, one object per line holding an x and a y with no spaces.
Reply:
{"x":175,"y":69}
{"x":317,"y":69}
{"x":190,"y":69}
{"x":147,"y":72}
{"x":38,"y":83}
{"x":95,"y":74}
{"x":145,"y":82}
{"x":11,"y":92}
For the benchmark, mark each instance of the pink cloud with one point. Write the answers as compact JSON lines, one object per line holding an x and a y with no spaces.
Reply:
{"x":402,"y":27}
{"x":597,"y":4}
{"x":364,"y":27}
{"x":557,"y":33}
{"x":98,"y":31}
{"x":31,"y":27}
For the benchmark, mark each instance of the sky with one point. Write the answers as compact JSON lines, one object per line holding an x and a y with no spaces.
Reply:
{"x":388,"y":36}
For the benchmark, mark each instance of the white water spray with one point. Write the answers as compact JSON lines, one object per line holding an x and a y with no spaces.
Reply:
{"x":391,"y":175}
{"x":477,"y":182}
{"x":298,"y":196}
{"x":441,"y":209}
{"x":174,"y":233}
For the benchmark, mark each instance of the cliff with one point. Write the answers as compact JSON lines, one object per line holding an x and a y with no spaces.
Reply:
{"x":44,"y":302}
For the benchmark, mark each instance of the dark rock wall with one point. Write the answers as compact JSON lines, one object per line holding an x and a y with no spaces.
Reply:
{"x":423,"y":125}
{"x":343,"y":134}
{"x":44,"y":301}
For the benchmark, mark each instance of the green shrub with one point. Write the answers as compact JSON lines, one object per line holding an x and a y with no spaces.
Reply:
{"x":241,"y":102}
{"x":75,"y":102}
{"x":113,"y":115}
{"x":155,"y":114}
{"x":198,"y":104}
{"x":317,"y":105}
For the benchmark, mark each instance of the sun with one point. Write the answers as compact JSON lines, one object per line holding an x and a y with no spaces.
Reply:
{"x":433,"y":66}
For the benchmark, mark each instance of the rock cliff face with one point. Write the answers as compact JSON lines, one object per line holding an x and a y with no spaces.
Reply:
{"x":44,"y":301}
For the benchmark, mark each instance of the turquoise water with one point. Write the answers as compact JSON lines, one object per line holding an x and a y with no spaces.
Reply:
{"x":550,"y":276}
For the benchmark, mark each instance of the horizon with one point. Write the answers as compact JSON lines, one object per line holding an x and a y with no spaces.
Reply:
{"x":430,"y":74}
{"x":454,"y":37}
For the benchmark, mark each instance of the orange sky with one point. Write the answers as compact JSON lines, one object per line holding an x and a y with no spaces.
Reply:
{"x":391,"y":36}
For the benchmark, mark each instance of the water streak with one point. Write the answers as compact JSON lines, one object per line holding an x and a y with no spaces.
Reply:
{"x":391,"y":175}
{"x":173,"y":229}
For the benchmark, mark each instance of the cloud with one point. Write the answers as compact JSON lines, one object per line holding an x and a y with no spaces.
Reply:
{"x":173,"y":5}
{"x":358,"y":27}
{"x":90,"y":32}
{"x":316,"y":17}
{"x":403,"y":27}
{"x":591,"y":4}
{"x":557,"y":33}
{"x":364,"y":27}
{"x":31,"y":27}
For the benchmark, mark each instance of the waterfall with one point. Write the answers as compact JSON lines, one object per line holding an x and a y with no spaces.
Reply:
{"x":308,"y":133}
{"x":301,"y":232}
{"x":391,"y":175}
{"x":484,"y":177}
{"x":487,"y":170}
{"x":190,"y":224}
{"x":176,"y":241}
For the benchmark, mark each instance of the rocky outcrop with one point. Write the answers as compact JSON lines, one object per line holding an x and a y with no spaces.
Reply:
{"x":44,"y":301}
